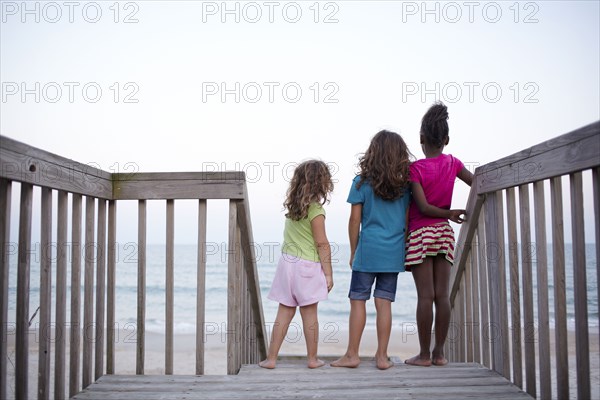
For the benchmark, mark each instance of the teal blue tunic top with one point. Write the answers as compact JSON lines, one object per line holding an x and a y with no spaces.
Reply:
{"x":381,"y":241}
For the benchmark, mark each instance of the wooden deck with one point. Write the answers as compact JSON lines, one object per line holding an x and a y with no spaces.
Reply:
{"x":292,"y":380}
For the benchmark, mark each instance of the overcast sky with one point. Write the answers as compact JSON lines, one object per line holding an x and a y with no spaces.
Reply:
{"x":259,"y":86}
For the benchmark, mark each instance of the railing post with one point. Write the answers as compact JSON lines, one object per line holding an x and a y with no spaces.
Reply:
{"x":88,"y":295}
{"x":515,"y":302}
{"x":111,"y":268}
{"x":542,"y":290}
{"x":494,"y":232}
{"x":45,"y":296}
{"x":596,"y":189}
{"x":201,"y":287}
{"x":75,"y":342}
{"x":100,"y":288}
{"x":61,"y":296}
{"x":5,"y":197}
{"x":169,"y":279}
{"x":468,"y":299}
{"x":476,"y":303}
{"x":22,"y":338}
{"x":233,"y":293}
{"x":580,"y":287}
{"x":527,"y":274}
{"x":259,"y":329}
{"x":141,"y":290}
{"x":560,"y":300}
{"x":484,"y":293}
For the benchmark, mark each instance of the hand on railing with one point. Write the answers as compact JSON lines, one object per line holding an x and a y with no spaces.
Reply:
{"x":455,"y":216}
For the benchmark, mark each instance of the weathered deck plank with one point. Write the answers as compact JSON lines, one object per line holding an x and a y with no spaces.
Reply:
{"x":291,"y":379}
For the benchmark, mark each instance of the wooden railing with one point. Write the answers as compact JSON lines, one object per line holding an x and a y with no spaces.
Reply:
{"x":29,"y":166}
{"x":494,"y":276}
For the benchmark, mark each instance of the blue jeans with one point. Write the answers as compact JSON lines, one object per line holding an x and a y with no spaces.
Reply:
{"x":362,"y":282}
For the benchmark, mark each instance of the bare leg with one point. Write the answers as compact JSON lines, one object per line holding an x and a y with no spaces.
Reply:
{"x":280,"y":328}
{"x":310,"y":324}
{"x":358,"y":318}
{"x":423,"y":276}
{"x":441,"y":280}
{"x":384,"y":329}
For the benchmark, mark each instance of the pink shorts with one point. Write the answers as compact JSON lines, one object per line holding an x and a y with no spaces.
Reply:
{"x":298,"y":282}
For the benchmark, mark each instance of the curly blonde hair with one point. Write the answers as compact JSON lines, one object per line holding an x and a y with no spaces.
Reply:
{"x":385,"y":165}
{"x":311,"y":183}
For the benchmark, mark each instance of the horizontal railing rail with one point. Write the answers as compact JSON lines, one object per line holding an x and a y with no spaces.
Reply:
{"x":95,"y":231}
{"x":498,"y":257}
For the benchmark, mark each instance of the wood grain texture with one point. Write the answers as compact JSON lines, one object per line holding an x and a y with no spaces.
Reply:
{"x":201,"y":287}
{"x":495,"y":262}
{"x":243,"y":211}
{"x":515,"y":303}
{"x":527,"y":254}
{"x":596,"y":189}
{"x":465,"y":238}
{"x":44,"y":344}
{"x":580,"y":287}
{"x":100,"y":290}
{"x":561,"y":349}
{"x":468,"y":325}
{"x":24,"y":163}
{"x":141,"y":290}
{"x":169,"y":279}
{"x":88,"y":293}
{"x":111,"y":282}
{"x":61,"y":296}
{"x":484,"y":293}
{"x":22,"y":315}
{"x":459,"y":337}
{"x":542,"y":290}
{"x":75,"y":335}
{"x":168,"y":187}
{"x":233,"y":293}
{"x":574,"y":151}
{"x":292,"y":380}
{"x":5,"y":200}
{"x":477,"y":333}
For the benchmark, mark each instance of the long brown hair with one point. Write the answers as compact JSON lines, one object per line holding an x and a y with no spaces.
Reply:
{"x":385,"y":165}
{"x":311,"y":183}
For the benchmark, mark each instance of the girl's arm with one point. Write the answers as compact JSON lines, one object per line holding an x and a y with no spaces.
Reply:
{"x":354,"y":228}
{"x":317,"y":226}
{"x":466,"y":176}
{"x":431,"y":210}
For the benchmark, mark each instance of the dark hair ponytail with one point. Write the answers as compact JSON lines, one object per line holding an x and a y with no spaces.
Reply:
{"x":434,"y":125}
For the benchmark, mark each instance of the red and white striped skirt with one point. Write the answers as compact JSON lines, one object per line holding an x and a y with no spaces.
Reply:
{"x":429,"y":241}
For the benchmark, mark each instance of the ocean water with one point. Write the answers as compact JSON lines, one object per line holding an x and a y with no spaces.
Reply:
{"x":333,"y":313}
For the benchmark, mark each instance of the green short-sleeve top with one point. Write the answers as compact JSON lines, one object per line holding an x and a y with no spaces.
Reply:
{"x":298,"y":239}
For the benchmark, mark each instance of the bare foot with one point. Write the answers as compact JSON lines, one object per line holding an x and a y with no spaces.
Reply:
{"x":440,"y":361}
{"x":418,"y":361}
{"x":383,"y":362}
{"x":267,"y":364}
{"x":312,"y":364}
{"x":346,"y":361}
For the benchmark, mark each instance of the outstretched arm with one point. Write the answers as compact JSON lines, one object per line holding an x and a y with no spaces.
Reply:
{"x":431,"y":210}
{"x":317,"y":226}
